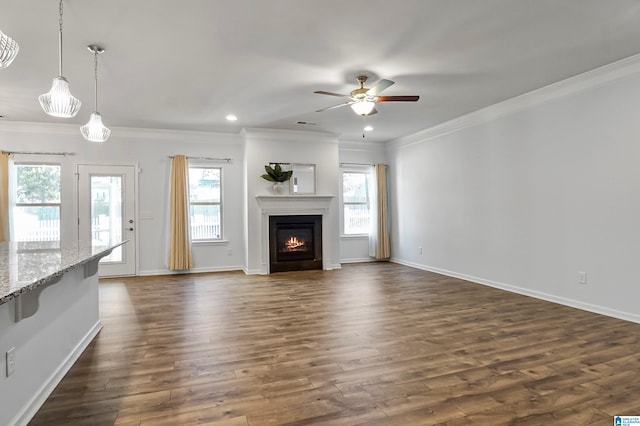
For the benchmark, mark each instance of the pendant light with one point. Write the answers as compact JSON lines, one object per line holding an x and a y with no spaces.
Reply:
{"x":59,"y":102}
{"x":94,"y":130}
{"x":8,"y":50}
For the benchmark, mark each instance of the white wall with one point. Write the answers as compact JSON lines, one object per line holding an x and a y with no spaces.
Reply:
{"x":526,"y":194}
{"x":150,"y":150}
{"x":356,"y":248}
{"x":262,"y":146}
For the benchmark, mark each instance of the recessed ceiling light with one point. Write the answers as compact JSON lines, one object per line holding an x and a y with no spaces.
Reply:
{"x":368,"y":129}
{"x":231,"y":117}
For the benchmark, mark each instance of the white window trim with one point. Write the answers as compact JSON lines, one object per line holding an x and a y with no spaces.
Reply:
{"x":352,"y":169}
{"x":14,"y":195}
{"x":221,"y":240}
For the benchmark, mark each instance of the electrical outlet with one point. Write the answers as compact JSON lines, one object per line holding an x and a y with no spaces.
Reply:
{"x":229,"y":252}
{"x":582,"y":277}
{"x":420,"y":250}
{"x":11,"y":361}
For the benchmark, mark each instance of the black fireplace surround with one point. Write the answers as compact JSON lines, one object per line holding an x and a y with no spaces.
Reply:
{"x":295,"y":243}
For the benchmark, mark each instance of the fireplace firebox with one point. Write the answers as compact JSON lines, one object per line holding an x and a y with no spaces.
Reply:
{"x":295,"y":242}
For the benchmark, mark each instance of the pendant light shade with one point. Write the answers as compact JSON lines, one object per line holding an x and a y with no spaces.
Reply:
{"x":59,"y":102}
{"x":94,"y":130}
{"x":8,"y":50}
{"x":363,"y":108}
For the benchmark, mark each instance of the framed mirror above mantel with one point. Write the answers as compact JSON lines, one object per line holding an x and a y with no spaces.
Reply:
{"x":303,"y":180}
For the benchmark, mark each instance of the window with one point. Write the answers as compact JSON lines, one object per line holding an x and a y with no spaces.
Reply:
{"x":36,"y":214}
{"x":205,"y":203}
{"x":355,"y":200}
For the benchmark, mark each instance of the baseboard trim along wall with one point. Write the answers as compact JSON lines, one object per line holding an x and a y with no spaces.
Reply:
{"x":627,"y":316}
{"x":189,"y":271}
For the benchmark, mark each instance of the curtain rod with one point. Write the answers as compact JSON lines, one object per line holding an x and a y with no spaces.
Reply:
{"x":38,"y":153}
{"x":359,"y":164}
{"x":228,"y":160}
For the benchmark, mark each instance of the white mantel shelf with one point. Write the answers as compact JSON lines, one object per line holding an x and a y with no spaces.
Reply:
{"x":271,"y":205}
{"x":294,"y":204}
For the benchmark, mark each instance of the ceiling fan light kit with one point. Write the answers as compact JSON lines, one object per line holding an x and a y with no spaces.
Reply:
{"x":363,"y":100}
{"x":8,"y":50}
{"x":363,"y":108}
{"x":94,"y":130}
{"x":59,"y":102}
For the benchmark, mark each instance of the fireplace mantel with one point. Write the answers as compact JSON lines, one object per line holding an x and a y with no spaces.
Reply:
{"x":294,"y":204}
{"x":271,"y":205}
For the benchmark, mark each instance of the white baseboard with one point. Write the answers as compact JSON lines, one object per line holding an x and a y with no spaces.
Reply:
{"x":357,"y":260}
{"x":189,"y":271}
{"x":32,"y":407}
{"x":597,"y":309}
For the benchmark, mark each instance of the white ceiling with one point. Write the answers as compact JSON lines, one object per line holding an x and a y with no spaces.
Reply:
{"x":187,"y":64}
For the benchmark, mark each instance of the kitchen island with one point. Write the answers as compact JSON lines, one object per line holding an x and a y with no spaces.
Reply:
{"x":48,"y":316}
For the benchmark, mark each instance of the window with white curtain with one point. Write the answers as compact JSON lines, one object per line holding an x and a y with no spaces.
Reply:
{"x":205,"y":202}
{"x":356,"y":203}
{"x":36,"y":212}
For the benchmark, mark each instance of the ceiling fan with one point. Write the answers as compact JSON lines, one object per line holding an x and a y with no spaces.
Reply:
{"x":363,"y":100}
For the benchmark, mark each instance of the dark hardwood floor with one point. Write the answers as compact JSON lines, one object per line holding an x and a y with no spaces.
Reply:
{"x":373,"y":344}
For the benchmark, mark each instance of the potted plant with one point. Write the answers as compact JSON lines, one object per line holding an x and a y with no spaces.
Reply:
{"x":277,"y":176}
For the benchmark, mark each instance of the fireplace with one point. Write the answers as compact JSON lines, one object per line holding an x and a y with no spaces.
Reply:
{"x":295,"y":242}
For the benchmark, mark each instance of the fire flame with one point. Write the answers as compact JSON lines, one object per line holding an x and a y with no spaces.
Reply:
{"x":294,"y":244}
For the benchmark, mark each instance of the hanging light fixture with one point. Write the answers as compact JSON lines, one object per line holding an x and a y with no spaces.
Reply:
{"x":94,"y":130}
{"x":363,"y":107}
{"x":59,"y":102}
{"x":8,"y":50}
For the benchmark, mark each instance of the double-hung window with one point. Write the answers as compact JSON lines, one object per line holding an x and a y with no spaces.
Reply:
{"x":356,"y":203}
{"x":36,"y":212}
{"x":205,"y":203}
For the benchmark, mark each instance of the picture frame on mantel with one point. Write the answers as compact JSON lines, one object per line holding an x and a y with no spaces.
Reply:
{"x":303,"y":180}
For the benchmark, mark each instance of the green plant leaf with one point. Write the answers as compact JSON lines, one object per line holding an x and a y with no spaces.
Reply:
{"x":276,"y":174}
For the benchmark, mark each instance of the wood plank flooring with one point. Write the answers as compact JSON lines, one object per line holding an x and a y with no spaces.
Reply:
{"x":371,"y":344}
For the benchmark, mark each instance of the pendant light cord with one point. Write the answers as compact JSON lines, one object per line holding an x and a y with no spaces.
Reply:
{"x":60,"y":39}
{"x":95,"y":56}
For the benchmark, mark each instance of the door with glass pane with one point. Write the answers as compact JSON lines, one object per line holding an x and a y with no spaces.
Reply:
{"x":106,"y":214}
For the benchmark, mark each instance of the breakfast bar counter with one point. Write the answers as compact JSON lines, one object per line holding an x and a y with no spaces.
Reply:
{"x":25,"y":266}
{"x":48,"y":316}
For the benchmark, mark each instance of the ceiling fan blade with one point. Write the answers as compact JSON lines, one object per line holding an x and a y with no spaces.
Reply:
{"x":322,"y":92}
{"x":379,"y":87}
{"x":398,"y":98}
{"x":335,"y":106}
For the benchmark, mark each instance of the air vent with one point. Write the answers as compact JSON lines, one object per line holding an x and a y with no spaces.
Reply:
{"x":306,"y":123}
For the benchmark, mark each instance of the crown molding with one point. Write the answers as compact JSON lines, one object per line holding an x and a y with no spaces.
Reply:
{"x":581,"y":82}
{"x":65,"y":129}
{"x":39,"y":128}
{"x":362,"y":146}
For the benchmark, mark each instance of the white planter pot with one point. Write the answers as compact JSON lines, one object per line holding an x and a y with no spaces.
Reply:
{"x":279,"y":188}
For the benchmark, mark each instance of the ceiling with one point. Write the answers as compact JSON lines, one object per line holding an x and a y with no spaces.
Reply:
{"x":185,"y":65}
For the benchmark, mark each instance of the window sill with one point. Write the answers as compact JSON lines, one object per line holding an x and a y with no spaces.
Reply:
{"x":355,"y":237}
{"x":208,"y":242}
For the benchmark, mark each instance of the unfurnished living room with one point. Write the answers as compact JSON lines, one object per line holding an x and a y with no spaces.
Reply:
{"x":305,"y":212}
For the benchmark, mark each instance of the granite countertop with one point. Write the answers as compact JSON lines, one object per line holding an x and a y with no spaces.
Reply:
{"x":25,"y":266}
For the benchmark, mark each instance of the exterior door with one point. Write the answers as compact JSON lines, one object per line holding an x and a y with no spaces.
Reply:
{"x":106,"y":214}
